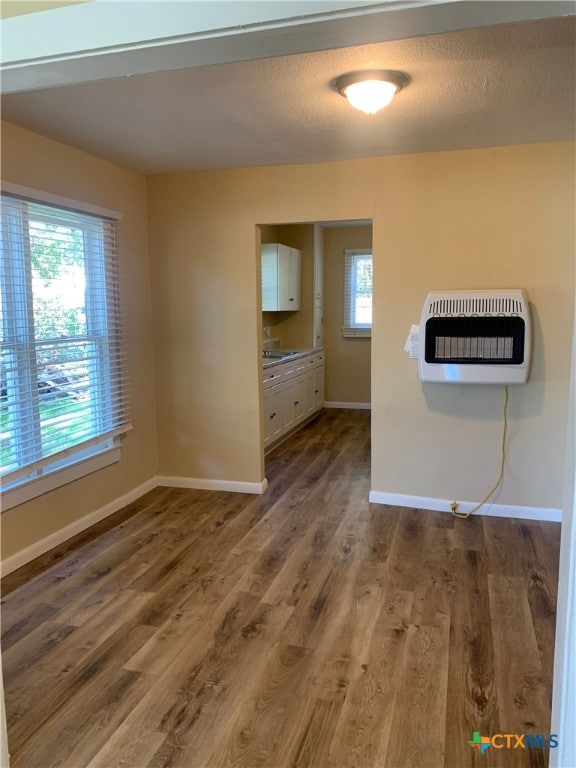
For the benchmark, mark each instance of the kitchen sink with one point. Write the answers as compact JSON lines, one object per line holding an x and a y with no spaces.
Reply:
{"x":275,"y":354}
{"x":282,"y":354}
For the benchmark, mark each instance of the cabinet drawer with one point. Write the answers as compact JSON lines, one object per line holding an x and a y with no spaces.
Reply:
{"x":301,"y":365}
{"x":289,"y":370}
{"x":310,"y":362}
{"x":272,"y":377}
{"x":318,"y":359}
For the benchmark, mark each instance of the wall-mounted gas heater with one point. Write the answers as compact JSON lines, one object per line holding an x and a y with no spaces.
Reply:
{"x":475,"y":337}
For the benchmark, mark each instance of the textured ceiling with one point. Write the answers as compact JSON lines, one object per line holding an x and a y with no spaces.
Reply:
{"x":475,"y":88}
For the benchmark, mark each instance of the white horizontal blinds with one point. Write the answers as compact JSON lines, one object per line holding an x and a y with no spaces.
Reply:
{"x":357,"y":293}
{"x":62,"y":374}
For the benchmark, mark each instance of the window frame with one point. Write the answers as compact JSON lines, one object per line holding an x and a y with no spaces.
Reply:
{"x":350,"y":328}
{"x":98,"y":451}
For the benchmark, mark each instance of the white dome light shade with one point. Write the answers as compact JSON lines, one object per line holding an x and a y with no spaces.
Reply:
{"x":370,"y":96}
{"x":370,"y":91}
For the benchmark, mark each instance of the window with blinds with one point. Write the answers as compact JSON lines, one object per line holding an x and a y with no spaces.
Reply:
{"x":62,"y":373}
{"x":357,"y":293}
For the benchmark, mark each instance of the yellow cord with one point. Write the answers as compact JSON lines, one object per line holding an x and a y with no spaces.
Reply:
{"x":454,"y":506}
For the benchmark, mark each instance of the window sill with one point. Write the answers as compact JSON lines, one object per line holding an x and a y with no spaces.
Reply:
{"x":357,"y":333}
{"x":56,"y":479}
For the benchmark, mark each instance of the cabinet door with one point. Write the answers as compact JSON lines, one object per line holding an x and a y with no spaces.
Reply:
{"x":309,"y":405}
{"x":288,"y":397}
{"x":289,"y":265}
{"x":318,"y":280}
{"x":318,"y":266}
{"x":267,"y":427}
{"x":281,"y":266}
{"x":293,"y":402}
{"x":283,"y":276}
{"x":318,"y":327}
{"x":295,"y":278}
{"x":269,"y":259}
{"x":272,"y":414}
{"x":299,"y":399}
{"x":318,"y":388}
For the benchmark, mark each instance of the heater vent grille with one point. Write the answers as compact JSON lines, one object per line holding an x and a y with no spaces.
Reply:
{"x":475,"y":337}
{"x":503,"y":305}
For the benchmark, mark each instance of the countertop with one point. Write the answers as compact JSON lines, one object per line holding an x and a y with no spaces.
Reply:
{"x":289,"y":355}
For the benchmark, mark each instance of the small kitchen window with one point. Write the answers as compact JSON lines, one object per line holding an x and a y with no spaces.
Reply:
{"x":357,"y":293}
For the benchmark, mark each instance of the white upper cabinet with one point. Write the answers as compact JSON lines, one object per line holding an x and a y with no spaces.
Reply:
{"x":318,"y":307}
{"x":318,"y":266}
{"x":281,"y":267}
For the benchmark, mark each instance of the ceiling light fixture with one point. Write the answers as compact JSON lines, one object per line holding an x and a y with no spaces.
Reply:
{"x":371,"y":90}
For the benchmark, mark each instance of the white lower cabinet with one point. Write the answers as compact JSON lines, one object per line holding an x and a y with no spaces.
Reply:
{"x":293,"y":391}
{"x":318,"y":388}
{"x":273,"y":426}
{"x":309,"y":405}
{"x":293,"y":410}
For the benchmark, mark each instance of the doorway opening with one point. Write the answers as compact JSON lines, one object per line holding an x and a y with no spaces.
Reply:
{"x":324,"y":270}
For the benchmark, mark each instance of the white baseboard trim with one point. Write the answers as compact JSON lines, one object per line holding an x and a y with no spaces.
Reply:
{"x":58,"y":537}
{"x":544,"y":514}
{"x":353,"y":406}
{"x":376,"y":497}
{"x":203,"y":484}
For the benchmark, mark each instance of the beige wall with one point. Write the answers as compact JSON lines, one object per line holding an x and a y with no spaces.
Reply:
{"x":34,"y":161}
{"x":347,"y":359}
{"x":488,"y":218}
{"x":499,"y":217}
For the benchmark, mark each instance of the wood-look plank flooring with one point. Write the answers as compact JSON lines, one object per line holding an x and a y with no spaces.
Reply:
{"x":303,"y":627}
